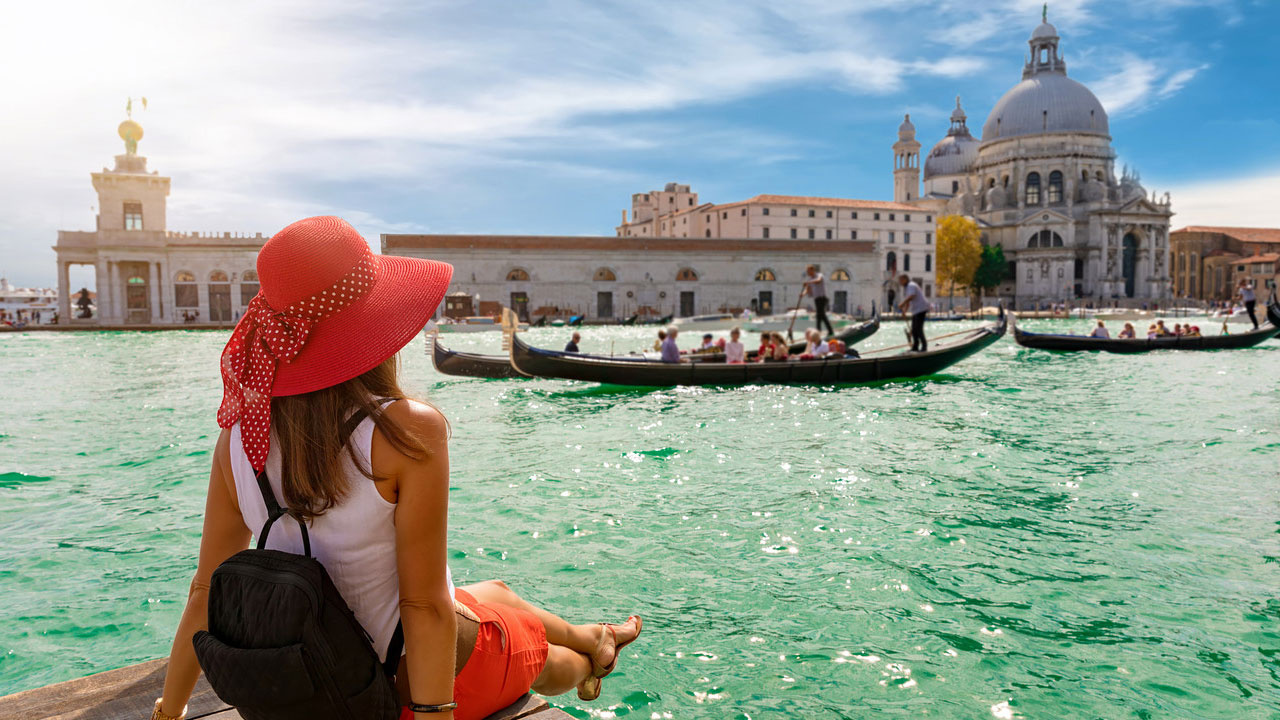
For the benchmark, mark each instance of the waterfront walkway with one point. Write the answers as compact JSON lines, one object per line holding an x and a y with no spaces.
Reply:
{"x":130,"y":692}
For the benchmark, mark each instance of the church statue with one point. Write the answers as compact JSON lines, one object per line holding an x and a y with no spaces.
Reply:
{"x":82,"y":303}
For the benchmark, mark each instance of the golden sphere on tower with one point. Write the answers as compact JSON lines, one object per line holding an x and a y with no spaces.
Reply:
{"x":130,"y":131}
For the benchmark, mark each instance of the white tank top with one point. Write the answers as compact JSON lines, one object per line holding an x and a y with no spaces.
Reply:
{"x":355,"y":540}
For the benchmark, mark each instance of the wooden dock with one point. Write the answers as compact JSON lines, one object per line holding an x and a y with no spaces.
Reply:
{"x":129,"y":694}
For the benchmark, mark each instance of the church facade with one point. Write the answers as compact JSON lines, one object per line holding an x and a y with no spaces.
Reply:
{"x":1041,"y":182}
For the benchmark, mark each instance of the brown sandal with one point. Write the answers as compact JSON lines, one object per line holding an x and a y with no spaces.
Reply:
{"x":589,"y":689}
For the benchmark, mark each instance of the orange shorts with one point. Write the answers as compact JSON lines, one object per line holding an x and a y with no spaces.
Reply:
{"x":510,"y":652}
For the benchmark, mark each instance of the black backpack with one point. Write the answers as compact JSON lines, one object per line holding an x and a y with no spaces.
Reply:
{"x":283,"y":644}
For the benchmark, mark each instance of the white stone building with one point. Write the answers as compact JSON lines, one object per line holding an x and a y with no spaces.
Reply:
{"x":145,"y":274}
{"x":608,"y":277}
{"x":1041,"y":182}
{"x":26,"y":306}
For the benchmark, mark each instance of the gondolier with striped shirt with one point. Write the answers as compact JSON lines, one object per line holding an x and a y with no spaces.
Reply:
{"x":815,"y":286}
{"x":1250,"y":300}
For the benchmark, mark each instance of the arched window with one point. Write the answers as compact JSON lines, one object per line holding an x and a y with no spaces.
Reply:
{"x":1055,"y":187}
{"x":1057,"y":240}
{"x":184,"y":276}
{"x":248,"y":286}
{"x":517,"y":275}
{"x":1033,"y":188}
{"x":1044,"y":239}
{"x":765,"y":275}
{"x":1100,"y":176}
{"x":605,"y":275}
{"x":218,"y":276}
{"x":840,"y":274}
{"x":891,"y":261}
{"x":686,"y":275}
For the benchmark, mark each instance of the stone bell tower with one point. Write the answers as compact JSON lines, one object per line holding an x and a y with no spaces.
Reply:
{"x":906,"y":163}
{"x":130,"y":198}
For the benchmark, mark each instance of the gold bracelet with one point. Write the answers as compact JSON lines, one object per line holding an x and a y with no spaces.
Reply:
{"x":158,"y":714}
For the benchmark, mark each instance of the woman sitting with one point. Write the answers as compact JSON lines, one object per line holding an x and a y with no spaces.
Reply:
{"x":315,"y":350}
{"x":1128,"y":332}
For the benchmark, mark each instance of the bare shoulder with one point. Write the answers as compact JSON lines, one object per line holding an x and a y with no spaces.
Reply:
{"x":419,"y":418}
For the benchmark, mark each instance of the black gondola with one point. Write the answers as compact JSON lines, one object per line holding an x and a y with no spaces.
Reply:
{"x":1076,"y":343}
{"x":463,"y":364}
{"x":537,"y":362}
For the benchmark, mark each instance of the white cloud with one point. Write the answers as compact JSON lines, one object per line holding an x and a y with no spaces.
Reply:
{"x":1139,"y":83}
{"x":1248,"y":201}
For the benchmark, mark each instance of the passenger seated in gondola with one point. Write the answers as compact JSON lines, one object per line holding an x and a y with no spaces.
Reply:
{"x":1191,"y":330}
{"x":1177,"y":329}
{"x":708,"y":345}
{"x":781,"y":349}
{"x":1100,"y":332}
{"x":671,"y":351}
{"x":657,"y":344}
{"x":1152,"y":332}
{"x":1161,"y":330}
{"x":815,"y":347}
{"x":1128,"y":332}
{"x":734,"y":353}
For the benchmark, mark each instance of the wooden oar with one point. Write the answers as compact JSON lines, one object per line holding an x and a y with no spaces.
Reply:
{"x":794,"y":313}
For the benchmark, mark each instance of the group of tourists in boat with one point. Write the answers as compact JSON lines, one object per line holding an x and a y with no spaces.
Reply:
{"x":731,"y":350}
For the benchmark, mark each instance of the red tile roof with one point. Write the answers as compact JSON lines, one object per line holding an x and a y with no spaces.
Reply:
{"x":831,"y":202}
{"x":612,"y":243}
{"x":1264,"y":258}
{"x":1262,"y":235}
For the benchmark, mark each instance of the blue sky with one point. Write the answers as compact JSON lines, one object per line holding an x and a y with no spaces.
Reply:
{"x":544,"y":117}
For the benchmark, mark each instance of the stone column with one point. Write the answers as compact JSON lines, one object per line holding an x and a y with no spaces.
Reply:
{"x":102,"y":285}
{"x":64,"y":294}
{"x":118,"y":293}
{"x":153,"y":289}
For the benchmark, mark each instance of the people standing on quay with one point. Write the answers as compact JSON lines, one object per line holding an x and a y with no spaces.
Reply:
{"x":572,"y":345}
{"x":815,"y":286}
{"x":1250,"y":300}
{"x":914,"y":304}
{"x":373,"y":493}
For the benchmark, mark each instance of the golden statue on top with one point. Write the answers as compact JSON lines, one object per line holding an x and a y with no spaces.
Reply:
{"x":130,"y":131}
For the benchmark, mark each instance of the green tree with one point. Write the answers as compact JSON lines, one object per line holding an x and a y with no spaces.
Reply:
{"x":959,"y":252}
{"x":992,"y":270}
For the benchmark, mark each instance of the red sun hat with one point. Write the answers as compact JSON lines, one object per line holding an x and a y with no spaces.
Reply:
{"x":328,"y":310}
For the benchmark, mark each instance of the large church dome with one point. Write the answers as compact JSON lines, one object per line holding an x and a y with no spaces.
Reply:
{"x":1046,"y":101}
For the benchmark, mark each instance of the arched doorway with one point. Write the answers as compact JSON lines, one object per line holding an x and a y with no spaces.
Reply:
{"x":1129,"y":263}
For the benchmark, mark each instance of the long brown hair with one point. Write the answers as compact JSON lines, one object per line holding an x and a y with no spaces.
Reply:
{"x":312,"y":432}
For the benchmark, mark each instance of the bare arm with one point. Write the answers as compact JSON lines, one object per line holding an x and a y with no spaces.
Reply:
{"x":224,"y":535}
{"x":422,"y":506}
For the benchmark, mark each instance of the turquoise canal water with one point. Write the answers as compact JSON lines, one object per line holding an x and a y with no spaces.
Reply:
{"x":1031,"y":535}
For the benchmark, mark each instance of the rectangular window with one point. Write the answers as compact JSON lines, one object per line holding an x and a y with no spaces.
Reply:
{"x":185,"y":295}
{"x":892,"y":217}
{"x":853,"y":215}
{"x":928,"y":263}
{"x":828,"y":213}
{"x":724,"y":215}
{"x":133,"y":216}
{"x":906,"y":238}
{"x":928,"y":238}
{"x":906,"y":262}
{"x":744,"y":212}
{"x":766,"y":233}
{"x":828,"y":233}
{"x":810,"y":213}
{"x":840,"y":303}
{"x":928,"y":291}
{"x":877,"y":216}
{"x":928,"y":218}
{"x":853,"y":234}
{"x":793,"y":212}
{"x":604,"y":304}
{"x":793,"y":233}
{"x":765,"y":211}
{"x":907,"y":218}
{"x":891,"y":238}
{"x":810,"y":233}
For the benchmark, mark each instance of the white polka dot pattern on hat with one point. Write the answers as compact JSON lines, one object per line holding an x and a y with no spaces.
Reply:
{"x":265,"y":337}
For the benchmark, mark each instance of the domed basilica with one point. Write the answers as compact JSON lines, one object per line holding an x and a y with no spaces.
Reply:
{"x":1041,"y":182}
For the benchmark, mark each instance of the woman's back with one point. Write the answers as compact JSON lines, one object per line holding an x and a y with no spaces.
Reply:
{"x":355,"y":540}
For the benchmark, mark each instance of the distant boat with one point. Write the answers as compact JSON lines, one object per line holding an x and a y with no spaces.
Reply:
{"x":700,"y":323}
{"x":783,"y":322}
{"x":1075,"y":343}
{"x":480,"y":323}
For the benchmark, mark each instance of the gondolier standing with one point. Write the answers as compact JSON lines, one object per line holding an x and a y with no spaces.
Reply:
{"x":815,"y":286}
{"x":1250,"y":300}
{"x":914,"y":304}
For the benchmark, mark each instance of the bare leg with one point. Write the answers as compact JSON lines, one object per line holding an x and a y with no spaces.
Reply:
{"x":589,"y":640}
{"x":564,"y":671}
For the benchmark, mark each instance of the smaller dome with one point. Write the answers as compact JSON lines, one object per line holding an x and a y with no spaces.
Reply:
{"x":1044,"y":30}
{"x":906,"y":131}
{"x":953,"y":155}
{"x":958,"y":115}
{"x":130,"y":130}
